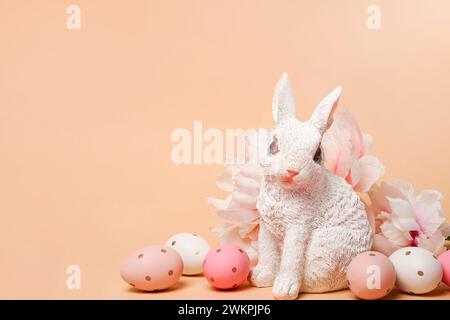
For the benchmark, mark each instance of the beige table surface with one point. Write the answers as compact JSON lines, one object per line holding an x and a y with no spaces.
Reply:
{"x":196,"y":287}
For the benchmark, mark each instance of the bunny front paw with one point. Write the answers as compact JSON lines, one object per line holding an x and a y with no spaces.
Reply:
{"x":262,"y":276}
{"x":286,"y":287}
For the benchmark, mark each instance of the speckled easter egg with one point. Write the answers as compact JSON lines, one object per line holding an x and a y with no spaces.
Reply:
{"x":226,"y":266}
{"x":444,"y":259}
{"x":192,"y":248}
{"x":418,"y":270}
{"x":152,"y":268}
{"x":371,"y":275}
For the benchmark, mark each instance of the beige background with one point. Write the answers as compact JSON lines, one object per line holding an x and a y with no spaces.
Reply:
{"x":86,"y":118}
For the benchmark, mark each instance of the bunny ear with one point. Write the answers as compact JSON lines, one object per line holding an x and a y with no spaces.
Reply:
{"x":322,"y":114}
{"x":283,"y":102}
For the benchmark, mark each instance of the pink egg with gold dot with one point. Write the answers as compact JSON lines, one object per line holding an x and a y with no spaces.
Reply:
{"x":226,"y":266}
{"x":444,"y":259}
{"x":152,"y":268}
{"x":371,"y":275}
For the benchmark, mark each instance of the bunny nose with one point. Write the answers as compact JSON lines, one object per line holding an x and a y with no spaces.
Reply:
{"x":292,"y":172}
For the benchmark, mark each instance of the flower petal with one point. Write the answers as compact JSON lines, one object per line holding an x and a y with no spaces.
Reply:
{"x":383,"y":245}
{"x":434,"y":243}
{"x":371,"y":170}
{"x":243,"y":200}
{"x":337,"y":148}
{"x":378,"y":200}
{"x":355,"y":173}
{"x":219,"y":204}
{"x":403,"y":215}
{"x":248,"y":185}
{"x":245,"y":230}
{"x":239,"y":216}
{"x":231,"y":211}
{"x":429,"y":196}
{"x":405,"y":188}
{"x":428,"y":211}
{"x":251,"y":171}
{"x":395,"y":235}
{"x":367,"y":142}
{"x":225,"y":181}
{"x":346,"y":119}
{"x":379,"y":193}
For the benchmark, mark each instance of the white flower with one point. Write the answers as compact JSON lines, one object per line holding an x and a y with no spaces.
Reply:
{"x":407,"y":219}
{"x":238,"y":210}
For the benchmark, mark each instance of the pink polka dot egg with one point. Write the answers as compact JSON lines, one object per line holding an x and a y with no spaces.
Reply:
{"x":371,"y":275}
{"x":152,"y":268}
{"x":226,"y":266}
{"x":444,"y":259}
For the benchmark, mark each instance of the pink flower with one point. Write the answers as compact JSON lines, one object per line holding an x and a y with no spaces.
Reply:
{"x":406,"y":219}
{"x":345,"y":150}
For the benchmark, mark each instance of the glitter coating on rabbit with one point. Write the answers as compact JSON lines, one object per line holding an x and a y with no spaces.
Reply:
{"x":312,"y":222}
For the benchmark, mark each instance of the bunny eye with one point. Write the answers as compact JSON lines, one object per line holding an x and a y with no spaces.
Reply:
{"x":273,"y":148}
{"x":318,"y":155}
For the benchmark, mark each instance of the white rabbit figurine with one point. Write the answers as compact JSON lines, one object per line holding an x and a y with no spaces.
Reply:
{"x":312,"y":222}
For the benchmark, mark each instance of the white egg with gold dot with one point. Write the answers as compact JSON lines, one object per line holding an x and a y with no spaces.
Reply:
{"x":418,"y":270}
{"x":192,"y":248}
